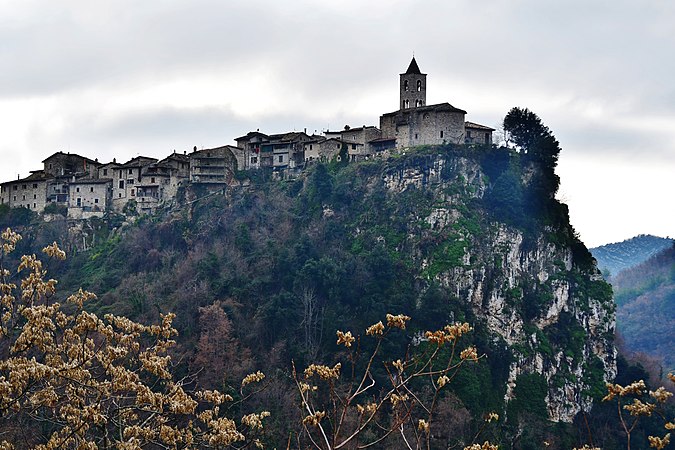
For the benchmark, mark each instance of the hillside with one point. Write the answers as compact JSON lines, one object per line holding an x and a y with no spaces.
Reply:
{"x":440,"y":234}
{"x":645,"y":296}
{"x":613,"y":258}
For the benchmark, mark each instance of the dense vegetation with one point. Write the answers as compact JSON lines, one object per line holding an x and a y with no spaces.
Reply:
{"x":264,"y":275}
{"x":645,"y":296}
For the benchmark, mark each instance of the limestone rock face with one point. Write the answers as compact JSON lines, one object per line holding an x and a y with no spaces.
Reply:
{"x":525,"y":286}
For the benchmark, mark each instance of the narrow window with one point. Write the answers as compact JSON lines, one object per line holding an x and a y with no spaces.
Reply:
{"x":419,"y":85}
{"x":415,"y":135}
{"x":152,"y":180}
{"x":34,"y":205}
{"x":91,"y":189}
{"x":34,"y":196}
{"x":133,"y":193}
{"x":77,"y":189}
{"x":131,"y":171}
{"x":441,"y":133}
{"x":121,"y":185}
{"x":406,"y":104}
{"x":96,"y":201}
{"x":405,"y":85}
{"x":105,"y":172}
{"x":487,"y":138}
{"x":281,"y":158}
{"x":34,"y":185}
{"x":79,"y":202}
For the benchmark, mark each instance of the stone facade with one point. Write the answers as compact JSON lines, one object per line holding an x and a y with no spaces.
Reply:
{"x":477,"y":134}
{"x":29,"y":192}
{"x":212,"y":166}
{"x":125,"y":181}
{"x":89,"y":197}
{"x":428,"y":125}
{"x":323,"y":150}
{"x":413,"y":87}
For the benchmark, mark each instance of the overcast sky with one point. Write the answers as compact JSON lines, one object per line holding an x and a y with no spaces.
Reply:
{"x":117,"y":79}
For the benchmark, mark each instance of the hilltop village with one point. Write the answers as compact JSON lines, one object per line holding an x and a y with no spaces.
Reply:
{"x":89,"y":188}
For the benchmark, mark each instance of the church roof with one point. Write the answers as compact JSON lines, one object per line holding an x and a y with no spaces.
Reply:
{"x":445,"y":107}
{"x":413,"y":68}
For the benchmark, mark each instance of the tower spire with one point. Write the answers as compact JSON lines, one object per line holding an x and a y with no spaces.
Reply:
{"x":413,"y":68}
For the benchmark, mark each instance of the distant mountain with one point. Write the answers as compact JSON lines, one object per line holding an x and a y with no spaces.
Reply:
{"x":645,"y":296}
{"x":616,"y":257}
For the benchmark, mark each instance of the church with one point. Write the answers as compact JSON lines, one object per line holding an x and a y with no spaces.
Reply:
{"x":417,"y":123}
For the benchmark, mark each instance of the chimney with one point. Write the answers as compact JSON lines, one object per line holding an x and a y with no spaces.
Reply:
{"x":114,"y":160}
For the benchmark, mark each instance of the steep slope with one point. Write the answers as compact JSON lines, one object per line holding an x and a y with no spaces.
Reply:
{"x":618,"y":256}
{"x":270,"y":269}
{"x":645,"y":296}
{"x":440,"y":234}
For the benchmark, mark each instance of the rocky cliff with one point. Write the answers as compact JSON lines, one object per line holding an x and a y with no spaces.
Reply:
{"x":534,"y":289}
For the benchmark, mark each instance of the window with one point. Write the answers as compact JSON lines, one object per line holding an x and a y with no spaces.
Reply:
{"x":441,"y":134}
{"x":254,"y":159}
{"x":406,"y":103}
{"x":34,"y":205}
{"x":120,"y":195}
{"x":415,"y":135}
{"x":281,"y":158}
{"x":77,"y":189}
{"x":405,"y":85}
{"x":91,"y":189}
{"x":34,"y":196}
{"x":23,"y":186}
{"x":487,"y":138}
{"x":353,"y":146}
{"x":79,"y":201}
{"x":468,"y":134}
{"x":418,"y":103}
{"x":105,"y":172}
{"x":133,"y":193}
{"x":419,"y":85}
{"x":310,"y":146}
{"x":131,"y":171}
{"x":152,"y":180}
{"x":24,"y":197}
{"x":15,"y":187}
{"x":34,"y":185}
{"x":121,"y":185}
{"x":96,"y":201}
{"x":131,"y":181}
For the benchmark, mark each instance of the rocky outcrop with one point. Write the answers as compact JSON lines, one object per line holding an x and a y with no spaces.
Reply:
{"x":525,"y":286}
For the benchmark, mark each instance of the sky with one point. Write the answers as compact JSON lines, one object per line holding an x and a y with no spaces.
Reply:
{"x":118,"y":79}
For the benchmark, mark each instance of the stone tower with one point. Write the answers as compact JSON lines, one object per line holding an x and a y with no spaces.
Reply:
{"x":413,"y":87}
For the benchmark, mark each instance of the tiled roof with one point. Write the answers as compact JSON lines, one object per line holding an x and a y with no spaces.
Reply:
{"x":477,"y":126}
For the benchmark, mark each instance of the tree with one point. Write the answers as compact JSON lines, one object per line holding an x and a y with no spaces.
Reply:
{"x":532,"y":137}
{"x":79,"y":381}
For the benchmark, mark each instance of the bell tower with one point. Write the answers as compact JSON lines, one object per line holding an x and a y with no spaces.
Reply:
{"x":413,"y":87}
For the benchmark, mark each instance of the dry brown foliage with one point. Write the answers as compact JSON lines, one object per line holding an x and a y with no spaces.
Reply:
{"x":81,"y":381}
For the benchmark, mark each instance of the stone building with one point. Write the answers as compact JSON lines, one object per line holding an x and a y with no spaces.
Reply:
{"x":212,"y":166}
{"x":64,"y":168}
{"x":248,"y":150}
{"x":477,"y":134}
{"x":322,"y":149}
{"x":68,"y":164}
{"x":125,"y":180}
{"x":89,"y":197}
{"x":417,"y":123}
{"x":29,"y":192}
